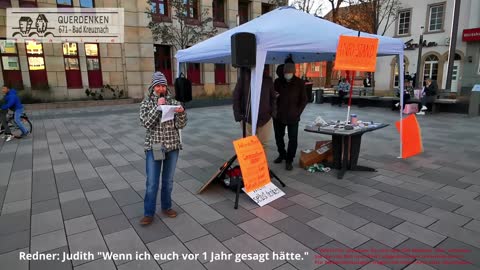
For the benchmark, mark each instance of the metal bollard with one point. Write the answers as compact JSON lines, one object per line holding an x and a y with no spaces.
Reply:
{"x":473,"y":108}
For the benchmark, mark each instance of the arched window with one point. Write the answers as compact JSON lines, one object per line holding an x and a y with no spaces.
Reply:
{"x":430,"y":67}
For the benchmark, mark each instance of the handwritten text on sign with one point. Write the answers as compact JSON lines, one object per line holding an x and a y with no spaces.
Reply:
{"x":356,"y":53}
{"x":253,"y":163}
{"x":266,"y":194}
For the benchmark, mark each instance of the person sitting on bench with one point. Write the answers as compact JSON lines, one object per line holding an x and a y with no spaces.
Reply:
{"x":427,"y":97}
{"x":343,"y":89}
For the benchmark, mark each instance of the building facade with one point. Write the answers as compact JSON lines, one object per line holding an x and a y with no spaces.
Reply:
{"x":433,"y":19}
{"x":62,"y":71}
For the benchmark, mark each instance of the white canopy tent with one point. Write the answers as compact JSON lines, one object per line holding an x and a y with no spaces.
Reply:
{"x":282,"y":32}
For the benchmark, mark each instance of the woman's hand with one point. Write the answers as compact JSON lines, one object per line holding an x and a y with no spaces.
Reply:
{"x":161,"y":101}
{"x":179,"y":109}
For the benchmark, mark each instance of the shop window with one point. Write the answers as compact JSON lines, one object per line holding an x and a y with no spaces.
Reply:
{"x":87,"y":3}
{"x":72,"y":65}
{"x":220,"y":74}
{"x":193,"y":73}
{"x":10,"y":63}
{"x":36,"y":65}
{"x":64,"y":3}
{"x":94,"y":70}
{"x":163,"y":61}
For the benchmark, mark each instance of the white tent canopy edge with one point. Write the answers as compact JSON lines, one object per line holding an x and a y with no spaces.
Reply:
{"x":303,"y":36}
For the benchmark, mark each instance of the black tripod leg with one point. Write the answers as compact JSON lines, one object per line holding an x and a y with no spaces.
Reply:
{"x":237,"y":196}
{"x":276,"y":177}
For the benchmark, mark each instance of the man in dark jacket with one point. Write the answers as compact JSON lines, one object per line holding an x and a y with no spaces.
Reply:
{"x":12,"y":102}
{"x":266,"y":109}
{"x":291,"y":101}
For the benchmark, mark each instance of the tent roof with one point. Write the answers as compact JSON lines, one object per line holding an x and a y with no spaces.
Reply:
{"x":282,"y":32}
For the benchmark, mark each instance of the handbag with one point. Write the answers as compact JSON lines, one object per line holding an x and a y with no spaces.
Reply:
{"x":410,"y":108}
{"x":158,"y":151}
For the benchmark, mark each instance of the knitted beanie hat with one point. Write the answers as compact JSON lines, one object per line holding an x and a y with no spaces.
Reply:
{"x":158,"y":78}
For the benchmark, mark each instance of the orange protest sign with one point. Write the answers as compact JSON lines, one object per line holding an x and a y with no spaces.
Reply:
{"x":411,"y":136}
{"x":356,"y":53}
{"x":253,"y":163}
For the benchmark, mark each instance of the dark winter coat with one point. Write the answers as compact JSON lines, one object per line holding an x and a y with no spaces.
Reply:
{"x":291,"y":101}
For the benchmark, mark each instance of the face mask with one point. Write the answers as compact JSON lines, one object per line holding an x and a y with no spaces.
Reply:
{"x":288,"y":76}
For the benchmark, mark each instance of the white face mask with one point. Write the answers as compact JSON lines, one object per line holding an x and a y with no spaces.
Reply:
{"x":288,"y":76}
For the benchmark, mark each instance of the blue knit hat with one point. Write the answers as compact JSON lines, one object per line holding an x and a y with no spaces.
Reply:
{"x":158,"y":78}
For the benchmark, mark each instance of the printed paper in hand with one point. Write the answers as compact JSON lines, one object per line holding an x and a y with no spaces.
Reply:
{"x":168,"y":112}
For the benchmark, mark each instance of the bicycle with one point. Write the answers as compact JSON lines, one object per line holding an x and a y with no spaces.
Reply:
{"x":13,"y":126}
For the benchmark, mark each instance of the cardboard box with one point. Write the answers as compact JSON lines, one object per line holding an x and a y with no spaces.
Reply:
{"x":322,"y":152}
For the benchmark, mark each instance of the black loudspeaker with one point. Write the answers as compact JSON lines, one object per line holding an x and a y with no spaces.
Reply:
{"x":244,"y":49}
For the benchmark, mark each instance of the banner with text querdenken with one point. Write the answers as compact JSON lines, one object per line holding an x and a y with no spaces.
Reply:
{"x":58,"y":25}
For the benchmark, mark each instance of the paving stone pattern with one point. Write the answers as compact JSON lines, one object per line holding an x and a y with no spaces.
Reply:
{"x":78,"y":182}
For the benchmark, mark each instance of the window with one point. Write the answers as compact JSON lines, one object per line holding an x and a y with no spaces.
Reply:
{"x":163,"y":61}
{"x":435,"y":18}
{"x":193,"y":73}
{"x":191,"y":9}
{"x":159,"y":8}
{"x":5,"y":4}
{"x":87,"y":3}
{"x":36,"y":65}
{"x":243,"y":12}
{"x":220,"y":74}
{"x":266,"y":8}
{"x":94,"y":69}
{"x":404,"y":18}
{"x":64,"y":3}
{"x":72,"y":65}
{"x":28,"y":3}
{"x":12,"y":74}
{"x":218,"y":8}
{"x":430,"y":68}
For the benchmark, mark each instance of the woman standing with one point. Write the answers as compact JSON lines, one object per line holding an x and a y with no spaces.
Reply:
{"x":162,"y":146}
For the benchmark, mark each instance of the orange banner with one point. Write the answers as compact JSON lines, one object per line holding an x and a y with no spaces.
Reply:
{"x":253,"y":163}
{"x":411,"y":136}
{"x":356,"y":53}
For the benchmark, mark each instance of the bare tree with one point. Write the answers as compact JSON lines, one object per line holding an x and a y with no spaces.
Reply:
{"x":183,"y":31}
{"x":381,"y":13}
{"x":308,"y":6}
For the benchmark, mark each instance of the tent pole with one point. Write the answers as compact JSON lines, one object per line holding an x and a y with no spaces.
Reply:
{"x":400,"y":84}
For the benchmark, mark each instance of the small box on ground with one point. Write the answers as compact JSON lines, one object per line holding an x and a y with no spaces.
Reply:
{"x":322,"y":152}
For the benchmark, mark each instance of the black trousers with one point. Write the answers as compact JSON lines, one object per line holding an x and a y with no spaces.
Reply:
{"x":341,"y":94}
{"x":279,"y":129}
{"x":3,"y":120}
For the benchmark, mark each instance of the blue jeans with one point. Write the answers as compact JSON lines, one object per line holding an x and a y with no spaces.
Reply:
{"x":153,"y":168}
{"x":18,"y":121}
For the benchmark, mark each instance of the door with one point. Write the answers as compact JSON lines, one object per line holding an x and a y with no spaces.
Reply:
{"x":455,"y":75}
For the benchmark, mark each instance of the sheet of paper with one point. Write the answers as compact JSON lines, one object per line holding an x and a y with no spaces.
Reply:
{"x":168,"y":112}
{"x":265,"y":194}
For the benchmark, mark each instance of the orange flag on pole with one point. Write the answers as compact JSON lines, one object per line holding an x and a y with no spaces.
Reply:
{"x":411,"y":136}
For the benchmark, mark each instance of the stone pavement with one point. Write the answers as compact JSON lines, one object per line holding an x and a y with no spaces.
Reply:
{"x":77,"y":184}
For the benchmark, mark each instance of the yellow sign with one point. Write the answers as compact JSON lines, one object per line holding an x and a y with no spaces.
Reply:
{"x":356,"y":53}
{"x":253,"y":163}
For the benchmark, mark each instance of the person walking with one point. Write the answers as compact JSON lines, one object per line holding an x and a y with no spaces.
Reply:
{"x":291,"y":102}
{"x":162,"y":145}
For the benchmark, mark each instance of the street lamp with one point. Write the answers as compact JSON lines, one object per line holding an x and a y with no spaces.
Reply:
{"x":419,"y":60}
